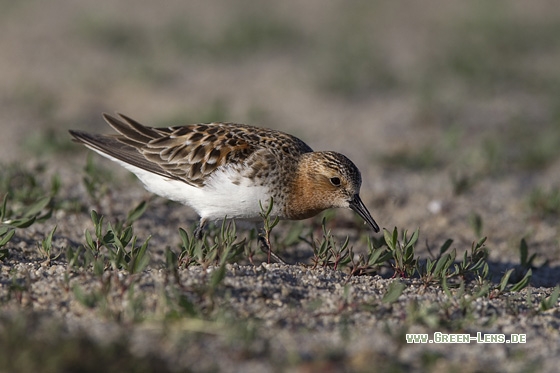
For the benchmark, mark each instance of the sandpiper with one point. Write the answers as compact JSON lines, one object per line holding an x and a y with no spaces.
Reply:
{"x":232,"y":170}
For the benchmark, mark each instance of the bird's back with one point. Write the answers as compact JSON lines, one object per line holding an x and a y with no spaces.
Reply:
{"x":194,"y":152}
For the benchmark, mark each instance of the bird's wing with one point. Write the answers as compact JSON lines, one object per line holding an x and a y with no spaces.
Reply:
{"x":190,"y":153}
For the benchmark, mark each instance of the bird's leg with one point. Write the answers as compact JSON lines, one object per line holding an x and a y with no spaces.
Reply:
{"x":199,"y":230}
{"x":269,"y":222}
{"x":264,"y":243}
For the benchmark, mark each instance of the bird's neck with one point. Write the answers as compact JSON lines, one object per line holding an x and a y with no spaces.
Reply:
{"x":305,"y":197}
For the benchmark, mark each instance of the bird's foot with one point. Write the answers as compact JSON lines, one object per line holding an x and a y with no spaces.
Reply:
{"x":265,"y":247}
{"x":199,"y":230}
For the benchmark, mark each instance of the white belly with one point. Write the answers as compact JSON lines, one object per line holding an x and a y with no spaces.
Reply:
{"x":219,"y":198}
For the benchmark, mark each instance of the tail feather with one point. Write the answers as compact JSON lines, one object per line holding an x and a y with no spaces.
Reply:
{"x":131,"y":129}
{"x":113,"y":147}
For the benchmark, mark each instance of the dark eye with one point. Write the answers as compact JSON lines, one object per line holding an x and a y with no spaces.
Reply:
{"x":335,"y":181}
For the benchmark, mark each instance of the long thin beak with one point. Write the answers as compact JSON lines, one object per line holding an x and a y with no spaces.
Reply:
{"x":357,"y":205}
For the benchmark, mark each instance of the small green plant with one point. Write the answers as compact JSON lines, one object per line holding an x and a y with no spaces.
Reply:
{"x":110,"y":248}
{"x":393,"y":292}
{"x":6,"y":235}
{"x":24,"y":217}
{"x":444,"y":267}
{"x":46,"y":249}
{"x":6,"y":232}
{"x":526,"y":261}
{"x":191,"y":249}
{"x":521,"y":284}
{"x":225,"y":247}
{"x":328,"y":253}
{"x":75,"y":257}
{"x":404,"y":262}
{"x":550,"y":302}
{"x":137,"y":259}
{"x":437,"y":268}
{"x":378,"y":255}
{"x":473,"y":264}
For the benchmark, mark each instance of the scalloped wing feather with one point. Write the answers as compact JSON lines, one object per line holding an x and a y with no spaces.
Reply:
{"x":193,"y":153}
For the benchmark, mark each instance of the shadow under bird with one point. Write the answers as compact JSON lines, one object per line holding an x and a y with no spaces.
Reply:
{"x":231,"y":170}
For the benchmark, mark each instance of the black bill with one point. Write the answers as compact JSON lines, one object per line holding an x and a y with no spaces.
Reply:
{"x":357,"y":205}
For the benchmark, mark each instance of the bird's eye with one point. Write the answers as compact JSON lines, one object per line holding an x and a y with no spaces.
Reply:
{"x":335,"y":181}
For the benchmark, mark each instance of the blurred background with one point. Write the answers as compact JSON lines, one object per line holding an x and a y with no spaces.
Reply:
{"x":451,"y":109}
{"x":384,"y":75}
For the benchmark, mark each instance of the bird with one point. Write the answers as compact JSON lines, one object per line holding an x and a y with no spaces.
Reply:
{"x":229,"y":170}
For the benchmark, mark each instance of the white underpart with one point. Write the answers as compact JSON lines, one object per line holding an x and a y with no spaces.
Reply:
{"x":219,"y":198}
